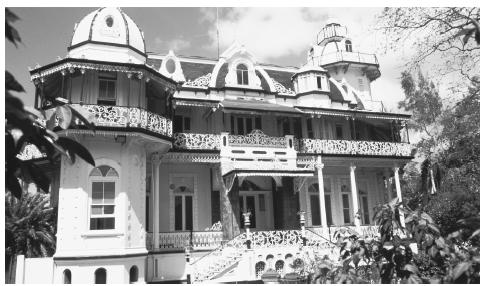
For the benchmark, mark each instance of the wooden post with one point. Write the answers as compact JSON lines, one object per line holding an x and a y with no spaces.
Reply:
{"x":320,"y":177}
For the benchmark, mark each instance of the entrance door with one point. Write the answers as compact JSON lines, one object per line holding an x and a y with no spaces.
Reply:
{"x":258,"y":203}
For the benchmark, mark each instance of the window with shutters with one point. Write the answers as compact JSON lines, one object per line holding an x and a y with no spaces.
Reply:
{"x":103,"y":181}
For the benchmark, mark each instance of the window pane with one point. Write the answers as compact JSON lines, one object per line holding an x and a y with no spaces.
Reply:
{"x":245,"y":77}
{"x":347,"y":218}
{"x":102,"y":89}
{"x":258,"y":122}
{"x":111,"y":90}
{"x":315,"y":210}
{"x":187,"y":124}
{"x":365,"y":210}
{"x":109,"y":192}
{"x":215,"y":207}
{"x":239,"y":123}
{"x":338,"y":132}
{"x":96,"y":210}
{"x":109,"y":209}
{"x":97,"y":192}
{"x":345,"y":201}
{"x":188,"y":212}
{"x":239,"y":75}
{"x":178,"y":124}
{"x":249,"y":125}
{"x":319,"y":82}
{"x":261,"y":202}
{"x":251,"y":209}
{"x":178,"y":213}
{"x":102,"y":223}
{"x":328,"y":209}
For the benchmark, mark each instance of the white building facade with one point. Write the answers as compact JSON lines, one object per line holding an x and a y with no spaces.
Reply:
{"x":187,"y":147}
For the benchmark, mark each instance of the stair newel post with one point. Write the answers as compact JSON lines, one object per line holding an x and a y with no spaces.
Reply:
{"x":302,"y":227}
{"x":187,"y":250}
{"x":246,"y":218}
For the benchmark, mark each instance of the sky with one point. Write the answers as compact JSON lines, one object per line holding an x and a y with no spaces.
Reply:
{"x":280,"y":36}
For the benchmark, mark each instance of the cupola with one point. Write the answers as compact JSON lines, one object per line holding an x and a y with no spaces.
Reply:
{"x":108,"y":34}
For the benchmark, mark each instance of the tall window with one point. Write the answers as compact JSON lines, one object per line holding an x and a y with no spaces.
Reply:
{"x":103,"y":180}
{"x":100,"y":276}
{"x":107,"y":89}
{"x":364,"y":206}
{"x":348,"y":46}
{"x":310,"y":131}
{"x":319,"y":82}
{"x":242,"y":74}
{"x":315,"y":203}
{"x":67,"y":277}
{"x":346,"y":201}
{"x":183,"y":208}
{"x":181,"y":124}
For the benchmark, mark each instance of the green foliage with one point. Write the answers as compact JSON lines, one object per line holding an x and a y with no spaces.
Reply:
{"x":29,"y":225}
{"x":26,"y":126}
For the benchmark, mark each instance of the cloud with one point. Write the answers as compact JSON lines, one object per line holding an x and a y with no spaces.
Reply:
{"x":176,"y":44}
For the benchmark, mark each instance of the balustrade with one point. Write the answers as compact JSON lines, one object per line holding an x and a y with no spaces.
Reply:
{"x":121,"y":116}
{"x":197,"y":141}
{"x":179,"y":240}
{"x":193,"y":141}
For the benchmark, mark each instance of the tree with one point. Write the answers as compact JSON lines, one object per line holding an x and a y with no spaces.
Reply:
{"x":447,"y":37}
{"x":25,"y":125}
{"x":29,"y":227}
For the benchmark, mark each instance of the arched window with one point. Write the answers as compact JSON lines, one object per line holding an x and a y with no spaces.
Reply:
{"x":242,"y":74}
{"x":133,"y":274}
{"x":259,"y":268}
{"x":67,"y":277}
{"x":100,"y":276}
{"x":103,"y":181}
{"x":348,"y":46}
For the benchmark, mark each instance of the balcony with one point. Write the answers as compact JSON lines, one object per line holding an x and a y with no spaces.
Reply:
{"x":193,"y":141}
{"x":342,"y":56}
{"x":129,"y":117}
{"x":177,"y":241}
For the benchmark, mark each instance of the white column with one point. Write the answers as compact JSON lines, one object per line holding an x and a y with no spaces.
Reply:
{"x":355,"y":197}
{"x":320,"y":176}
{"x":398,"y":192}
{"x":155,"y":161}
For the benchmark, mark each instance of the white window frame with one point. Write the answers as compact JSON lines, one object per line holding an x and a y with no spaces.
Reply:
{"x":244,"y":73}
{"x":172,"y":195}
{"x":109,"y":79}
{"x":349,"y":193}
{"x":92,"y":179}
{"x":327,"y":182}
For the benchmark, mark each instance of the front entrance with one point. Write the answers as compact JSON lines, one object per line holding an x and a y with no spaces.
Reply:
{"x":259,"y":202}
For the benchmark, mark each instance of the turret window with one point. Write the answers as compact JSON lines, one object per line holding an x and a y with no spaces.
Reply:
{"x":107,"y":89}
{"x":103,"y":183}
{"x":348,"y":46}
{"x":242,"y":74}
{"x":319,"y":82}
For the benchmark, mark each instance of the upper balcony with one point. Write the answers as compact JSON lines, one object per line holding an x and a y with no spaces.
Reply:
{"x":122,"y":118}
{"x":193,"y":141}
{"x":343,"y":56}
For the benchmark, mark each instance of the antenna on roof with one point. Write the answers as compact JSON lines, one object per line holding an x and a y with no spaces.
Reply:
{"x":217,"y":33}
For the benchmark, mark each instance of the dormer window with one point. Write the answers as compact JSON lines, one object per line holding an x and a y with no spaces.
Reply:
{"x":348,"y":46}
{"x":242,"y":74}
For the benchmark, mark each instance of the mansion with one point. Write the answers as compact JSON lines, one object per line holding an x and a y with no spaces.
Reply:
{"x":211,"y":170}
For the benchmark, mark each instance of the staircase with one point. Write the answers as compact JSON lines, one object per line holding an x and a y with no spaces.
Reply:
{"x":227,"y":257}
{"x":214,"y":263}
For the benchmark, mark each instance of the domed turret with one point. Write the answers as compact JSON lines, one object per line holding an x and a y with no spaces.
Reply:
{"x":108,"y":34}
